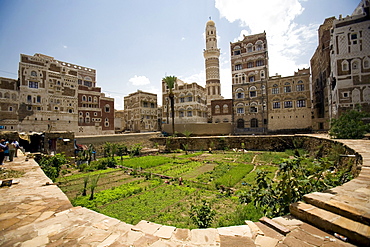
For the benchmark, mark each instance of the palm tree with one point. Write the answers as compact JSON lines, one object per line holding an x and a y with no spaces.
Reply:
{"x":170,"y":81}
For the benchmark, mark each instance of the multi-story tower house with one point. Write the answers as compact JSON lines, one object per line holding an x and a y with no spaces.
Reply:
{"x":190,"y":103}
{"x":212,"y":65}
{"x":59,"y":96}
{"x":320,"y":70}
{"x":141,"y":111}
{"x":9,"y":94}
{"x":48,"y":94}
{"x":249,"y":69}
{"x":289,"y":107}
{"x":350,"y":62}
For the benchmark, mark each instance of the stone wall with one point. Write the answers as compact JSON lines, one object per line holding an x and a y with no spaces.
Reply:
{"x":128,"y":139}
{"x":201,"y":129}
{"x":317,"y":147}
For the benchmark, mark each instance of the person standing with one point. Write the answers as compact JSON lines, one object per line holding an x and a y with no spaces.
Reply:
{"x":16,"y":144}
{"x":12,"y":150}
{"x":3,"y":146}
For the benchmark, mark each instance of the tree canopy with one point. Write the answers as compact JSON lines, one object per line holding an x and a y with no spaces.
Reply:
{"x":350,"y":125}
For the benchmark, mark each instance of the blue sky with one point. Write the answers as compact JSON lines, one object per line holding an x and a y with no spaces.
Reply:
{"x":133,"y":44}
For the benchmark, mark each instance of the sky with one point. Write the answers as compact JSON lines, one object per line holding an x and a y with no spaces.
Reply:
{"x":133,"y":44}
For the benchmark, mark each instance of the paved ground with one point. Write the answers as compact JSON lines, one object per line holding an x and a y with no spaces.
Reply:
{"x":35,"y":214}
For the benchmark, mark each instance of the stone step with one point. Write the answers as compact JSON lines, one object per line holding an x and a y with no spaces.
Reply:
{"x":352,"y":209}
{"x":355,"y":232}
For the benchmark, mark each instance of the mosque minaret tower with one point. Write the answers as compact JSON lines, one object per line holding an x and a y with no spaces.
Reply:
{"x":211,"y":56}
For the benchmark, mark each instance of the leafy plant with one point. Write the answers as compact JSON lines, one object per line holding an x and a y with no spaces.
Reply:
{"x":52,"y":165}
{"x":349,"y":125}
{"x":202,"y":215}
{"x":93,"y":185}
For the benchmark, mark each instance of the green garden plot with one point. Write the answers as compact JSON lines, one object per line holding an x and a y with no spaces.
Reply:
{"x":150,"y":188}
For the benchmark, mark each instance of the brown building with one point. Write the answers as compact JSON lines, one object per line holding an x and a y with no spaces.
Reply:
{"x":320,"y":71}
{"x":58,"y":96}
{"x":222,"y":111}
{"x":249,"y":66}
{"x":141,"y":112}
{"x":289,"y":102}
{"x":9,"y":104}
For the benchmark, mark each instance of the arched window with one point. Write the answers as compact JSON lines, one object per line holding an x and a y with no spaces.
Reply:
{"x":225,"y":108}
{"x":300,"y":86}
{"x":217,"y":109}
{"x":89,"y":99}
{"x":240,"y":108}
{"x":345,"y":65}
{"x":239,"y":93}
{"x":240,"y":123}
{"x":29,"y":99}
{"x":252,"y":92}
{"x":254,"y":123}
{"x":287,"y":87}
{"x":107,"y":108}
{"x":83,"y":98}
{"x":95,"y":99}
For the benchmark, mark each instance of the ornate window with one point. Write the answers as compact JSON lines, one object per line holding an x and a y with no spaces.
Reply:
{"x":276,"y":105}
{"x":253,"y":109}
{"x":33,"y":84}
{"x":238,"y":67}
{"x":288,"y":104}
{"x":275,"y":89}
{"x":287,"y":88}
{"x":300,"y":86}
{"x":33,"y":73}
{"x":260,"y":63}
{"x":301,"y":103}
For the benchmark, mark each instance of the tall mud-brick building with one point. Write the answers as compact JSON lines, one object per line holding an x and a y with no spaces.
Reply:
{"x":249,"y":70}
{"x":54,"y":96}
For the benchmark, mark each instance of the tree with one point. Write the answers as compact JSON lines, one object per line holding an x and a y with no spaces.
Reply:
{"x":349,"y":125}
{"x":170,"y":81}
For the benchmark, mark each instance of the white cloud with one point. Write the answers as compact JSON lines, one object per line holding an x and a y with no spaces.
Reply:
{"x":183,"y":38}
{"x":65,"y":47}
{"x":287,"y":41}
{"x":139,"y":80}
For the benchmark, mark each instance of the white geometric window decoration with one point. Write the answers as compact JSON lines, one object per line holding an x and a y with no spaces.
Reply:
{"x":345,"y":65}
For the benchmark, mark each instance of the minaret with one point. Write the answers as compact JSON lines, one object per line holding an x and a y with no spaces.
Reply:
{"x":211,"y":56}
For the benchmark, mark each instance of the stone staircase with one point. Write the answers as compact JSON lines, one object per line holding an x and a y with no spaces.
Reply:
{"x":343,"y":210}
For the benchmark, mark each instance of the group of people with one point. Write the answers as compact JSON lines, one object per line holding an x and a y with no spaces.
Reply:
{"x":8,"y":149}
